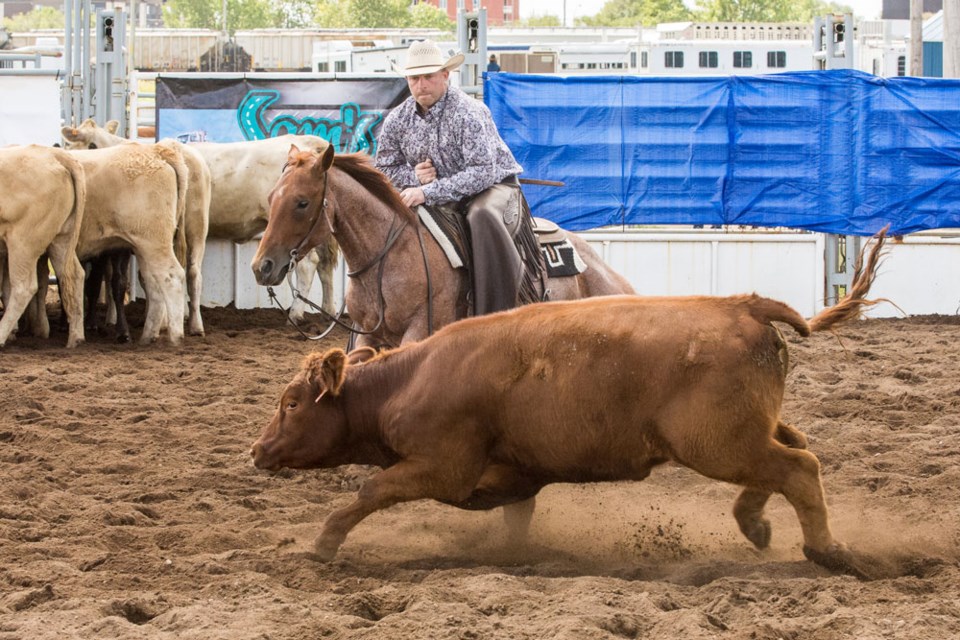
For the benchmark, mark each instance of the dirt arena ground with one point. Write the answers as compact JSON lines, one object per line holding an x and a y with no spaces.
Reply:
{"x":129,"y":509}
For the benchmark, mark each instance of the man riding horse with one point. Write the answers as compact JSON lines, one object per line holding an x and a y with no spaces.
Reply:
{"x":441,"y":149}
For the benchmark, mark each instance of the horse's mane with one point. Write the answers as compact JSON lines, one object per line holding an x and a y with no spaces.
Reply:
{"x":359,"y":167}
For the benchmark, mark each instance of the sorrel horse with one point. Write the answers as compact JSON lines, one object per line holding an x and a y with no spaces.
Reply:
{"x":401,"y":284}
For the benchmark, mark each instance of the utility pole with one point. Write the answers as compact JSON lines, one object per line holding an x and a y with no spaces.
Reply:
{"x":916,"y":38}
{"x":951,"y":38}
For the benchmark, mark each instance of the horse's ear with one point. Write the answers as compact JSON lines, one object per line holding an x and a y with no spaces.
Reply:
{"x":327,"y":159}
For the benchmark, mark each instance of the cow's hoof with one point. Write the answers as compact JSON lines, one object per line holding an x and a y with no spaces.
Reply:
{"x":839,"y":559}
{"x":759,"y":533}
{"x":325,"y":551}
{"x":123,"y":338}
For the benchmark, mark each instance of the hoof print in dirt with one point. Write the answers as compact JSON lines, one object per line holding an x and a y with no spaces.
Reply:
{"x":838,"y":560}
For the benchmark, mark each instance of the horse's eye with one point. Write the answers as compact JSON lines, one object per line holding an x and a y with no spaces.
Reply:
{"x":303,"y":204}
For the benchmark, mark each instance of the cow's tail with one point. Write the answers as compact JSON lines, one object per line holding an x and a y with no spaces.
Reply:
{"x":852,"y":304}
{"x":765,"y":310}
{"x":73,"y":166}
{"x":171,"y":153}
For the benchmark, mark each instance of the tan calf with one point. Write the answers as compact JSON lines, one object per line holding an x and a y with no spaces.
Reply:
{"x":196,"y":217}
{"x":41,"y":210}
{"x":136,"y":198}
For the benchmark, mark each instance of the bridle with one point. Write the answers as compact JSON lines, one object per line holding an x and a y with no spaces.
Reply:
{"x":335,"y":320}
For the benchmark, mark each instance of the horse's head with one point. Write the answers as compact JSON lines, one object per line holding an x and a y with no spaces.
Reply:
{"x":299,"y":218}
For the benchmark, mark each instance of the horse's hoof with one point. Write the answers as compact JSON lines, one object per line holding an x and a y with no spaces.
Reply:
{"x":839,"y":559}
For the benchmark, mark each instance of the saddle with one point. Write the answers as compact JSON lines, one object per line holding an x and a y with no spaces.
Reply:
{"x":449,"y":230}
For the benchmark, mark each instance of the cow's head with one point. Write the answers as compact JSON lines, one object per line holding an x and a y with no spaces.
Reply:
{"x":89,"y":135}
{"x":309,"y":428}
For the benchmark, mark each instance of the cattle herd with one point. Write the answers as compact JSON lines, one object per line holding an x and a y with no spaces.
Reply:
{"x":482,"y":414}
{"x":105,"y":196}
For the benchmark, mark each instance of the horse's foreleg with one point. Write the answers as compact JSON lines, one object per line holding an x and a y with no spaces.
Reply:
{"x":305,"y":271}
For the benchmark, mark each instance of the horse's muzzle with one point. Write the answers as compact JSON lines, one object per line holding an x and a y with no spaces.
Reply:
{"x":269,"y":273}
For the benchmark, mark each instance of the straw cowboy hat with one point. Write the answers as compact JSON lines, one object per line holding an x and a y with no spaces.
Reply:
{"x":424,"y":57}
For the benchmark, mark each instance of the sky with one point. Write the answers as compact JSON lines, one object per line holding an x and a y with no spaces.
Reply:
{"x":576,"y":8}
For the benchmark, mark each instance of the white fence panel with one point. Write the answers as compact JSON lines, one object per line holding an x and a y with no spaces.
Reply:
{"x":785,"y":266}
{"x":919,"y":275}
{"x":29,"y":109}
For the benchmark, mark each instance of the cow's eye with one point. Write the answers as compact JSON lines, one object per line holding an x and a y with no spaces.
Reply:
{"x":291,"y":405}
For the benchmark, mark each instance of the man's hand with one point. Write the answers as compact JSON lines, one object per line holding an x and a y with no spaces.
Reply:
{"x":412,"y":196}
{"x":426,"y":172}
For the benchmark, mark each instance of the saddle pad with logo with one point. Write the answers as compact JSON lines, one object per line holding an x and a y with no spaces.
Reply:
{"x":559,"y":256}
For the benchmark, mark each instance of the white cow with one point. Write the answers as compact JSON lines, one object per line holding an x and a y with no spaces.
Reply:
{"x":196,"y":216}
{"x":136,"y":199}
{"x":44,"y":193}
{"x":243,"y":174}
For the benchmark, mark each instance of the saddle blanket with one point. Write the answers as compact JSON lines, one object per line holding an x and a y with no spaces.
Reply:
{"x":559,"y":256}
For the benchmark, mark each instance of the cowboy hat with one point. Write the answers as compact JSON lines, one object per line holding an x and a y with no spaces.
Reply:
{"x":424,"y":57}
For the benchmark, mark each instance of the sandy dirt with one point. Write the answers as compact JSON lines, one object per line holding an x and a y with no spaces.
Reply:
{"x":129,"y":508}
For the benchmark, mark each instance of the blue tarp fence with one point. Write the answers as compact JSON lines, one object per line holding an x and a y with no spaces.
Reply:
{"x":830,"y":151}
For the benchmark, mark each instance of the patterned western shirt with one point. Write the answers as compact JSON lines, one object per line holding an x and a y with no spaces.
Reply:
{"x":458,"y":134}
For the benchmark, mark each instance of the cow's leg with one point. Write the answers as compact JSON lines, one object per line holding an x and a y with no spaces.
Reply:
{"x":503,"y":485}
{"x":748,"y":509}
{"x":119,"y":283}
{"x":195,"y":286}
{"x":405,"y":481}
{"x":22,"y":270}
{"x":305,"y":271}
{"x":163,"y":281}
{"x":91,"y":291}
{"x":69,"y":272}
{"x":36,"y":313}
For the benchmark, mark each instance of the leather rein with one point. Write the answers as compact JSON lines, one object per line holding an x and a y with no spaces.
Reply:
{"x":378,"y":260}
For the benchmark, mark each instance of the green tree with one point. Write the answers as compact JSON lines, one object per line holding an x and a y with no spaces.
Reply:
{"x":362,"y":13}
{"x":540,"y":21}
{"x":39,"y":18}
{"x":765,"y":10}
{"x":207,"y":14}
{"x":296,"y":14}
{"x":395,"y":14}
{"x":427,"y":16}
{"x":630,"y":13}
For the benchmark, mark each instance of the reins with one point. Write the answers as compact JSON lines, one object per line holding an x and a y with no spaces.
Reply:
{"x":335,"y":320}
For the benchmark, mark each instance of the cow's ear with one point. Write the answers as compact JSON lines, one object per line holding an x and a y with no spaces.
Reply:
{"x":293,"y":153}
{"x":327,"y":371}
{"x":112,"y":126}
{"x":69,"y":133}
{"x":360,"y":355}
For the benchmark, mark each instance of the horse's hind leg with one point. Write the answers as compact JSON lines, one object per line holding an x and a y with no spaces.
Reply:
{"x":748,"y":509}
